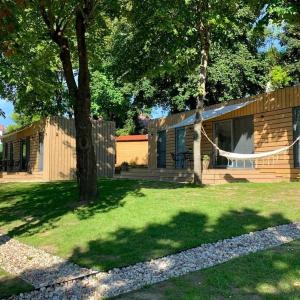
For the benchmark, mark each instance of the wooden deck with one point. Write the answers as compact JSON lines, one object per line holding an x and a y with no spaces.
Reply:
{"x":220,"y":176}
{"x":176,"y":175}
{"x":210,"y":176}
{"x":21,"y":177}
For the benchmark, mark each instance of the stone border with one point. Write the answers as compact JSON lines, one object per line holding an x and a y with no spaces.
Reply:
{"x":36,"y":266}
{"x":119,"y":281}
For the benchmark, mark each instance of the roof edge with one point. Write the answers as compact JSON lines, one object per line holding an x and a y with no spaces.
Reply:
{"x":132,"y":138}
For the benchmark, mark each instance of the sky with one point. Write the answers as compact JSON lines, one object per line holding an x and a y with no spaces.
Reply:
{"x":8,"y":108}
{"x":158,"y":112}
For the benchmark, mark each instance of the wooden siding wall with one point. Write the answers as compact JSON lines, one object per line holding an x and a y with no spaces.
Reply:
{"x":31,"y":132}
{"x":60,"y":157}
{"x":132,"y":152}
{"x":272,"y":129}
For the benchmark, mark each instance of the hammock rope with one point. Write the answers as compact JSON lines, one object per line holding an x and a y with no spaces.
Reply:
{"x":231,"y":156}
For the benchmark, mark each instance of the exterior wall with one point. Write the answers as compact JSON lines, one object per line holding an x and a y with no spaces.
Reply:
{"x":60,"y":154}
{"x":132,"y":152}
{"x":33,"y":133}
{"x":272,"y":114}
{"x":59,"y":147}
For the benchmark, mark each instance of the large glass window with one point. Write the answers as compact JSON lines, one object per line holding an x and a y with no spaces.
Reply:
{"x":41,"y":151}
{"x":24,"y":153}
{"x":296,"y":127}
{"x":235,"y":135}
{"x":223,"y":138}
{"x":243,"y":141}
{"x":161,"y":149}
{"x":5,"y":151}
{"x":11,"y":151}
{"x":180,"y":148}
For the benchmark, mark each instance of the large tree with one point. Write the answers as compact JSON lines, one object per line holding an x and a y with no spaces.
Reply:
{"x":166,"y":39}
{"x":47,"y":39}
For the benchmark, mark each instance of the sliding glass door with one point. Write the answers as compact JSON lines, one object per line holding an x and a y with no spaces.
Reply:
{"x":24,"y":153}
{"x":223,"y":138}
{"x":180,"y":148}
{"x":161,"y":149}
{"x":41,"y":151}
{"x":234,"y":135}
{"x":243,"y":142}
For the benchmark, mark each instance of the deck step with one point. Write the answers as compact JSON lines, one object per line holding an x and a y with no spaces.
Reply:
{"x":20,"y":177}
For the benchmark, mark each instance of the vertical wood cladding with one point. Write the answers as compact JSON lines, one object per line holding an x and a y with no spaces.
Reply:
{"x":59,"y":147}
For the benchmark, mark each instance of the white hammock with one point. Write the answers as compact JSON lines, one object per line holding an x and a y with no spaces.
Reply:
{"x":252,"y":157}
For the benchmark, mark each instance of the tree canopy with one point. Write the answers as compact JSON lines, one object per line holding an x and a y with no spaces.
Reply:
{"x":115,"y":59}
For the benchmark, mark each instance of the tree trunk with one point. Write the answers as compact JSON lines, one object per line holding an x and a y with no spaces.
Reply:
{"x":197,"y":146}
{"x":204,"y":41}
{"x":85,"y":154}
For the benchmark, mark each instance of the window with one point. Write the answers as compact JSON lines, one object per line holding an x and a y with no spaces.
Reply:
{"x":223,"y":138}
{"x":24,"y":153}
{"x":161,"y":149}
{"x":180,"y":147}
{"x":296,"y":128}
{"x":41,"y":151}
{"x":6,"y":151}
{"x":235,"y":135}
{"x":11,"y":152}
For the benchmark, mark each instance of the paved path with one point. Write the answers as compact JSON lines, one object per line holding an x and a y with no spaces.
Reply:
{"x":119,"y":281}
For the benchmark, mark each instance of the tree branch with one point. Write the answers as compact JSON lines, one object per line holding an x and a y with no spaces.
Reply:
{"x":83,"y":76}
{"x":57,"y":35}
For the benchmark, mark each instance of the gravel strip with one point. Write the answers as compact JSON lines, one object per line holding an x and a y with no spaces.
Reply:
{"x":119,"y":281}
{"x":36,"y":266}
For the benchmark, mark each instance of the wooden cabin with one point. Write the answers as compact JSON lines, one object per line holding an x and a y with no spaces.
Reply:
{"x":132,"y":150}
{"x":45,"y":150}
{"x":255,"y":124}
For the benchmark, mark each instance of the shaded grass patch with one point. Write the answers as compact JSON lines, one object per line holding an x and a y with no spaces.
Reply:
{"x":138,"y":220}
{"x":10,"y":285}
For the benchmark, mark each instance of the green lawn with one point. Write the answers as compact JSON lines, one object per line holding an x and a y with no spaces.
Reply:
{"x":134,"y":221}
{"x":272,"y":274}
{"x":10,"y":285}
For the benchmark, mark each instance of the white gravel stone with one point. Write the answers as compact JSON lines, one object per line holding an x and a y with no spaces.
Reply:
{"x":122,"y":280}
{"x":36,"y":266}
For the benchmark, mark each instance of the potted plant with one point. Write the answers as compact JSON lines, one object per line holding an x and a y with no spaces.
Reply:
{"x":205,"y":161}
{"x":125,"y":166}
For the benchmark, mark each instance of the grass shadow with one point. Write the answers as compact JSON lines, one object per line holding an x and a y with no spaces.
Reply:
{"x":185,"y":230}
{"x":40,"y":205}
